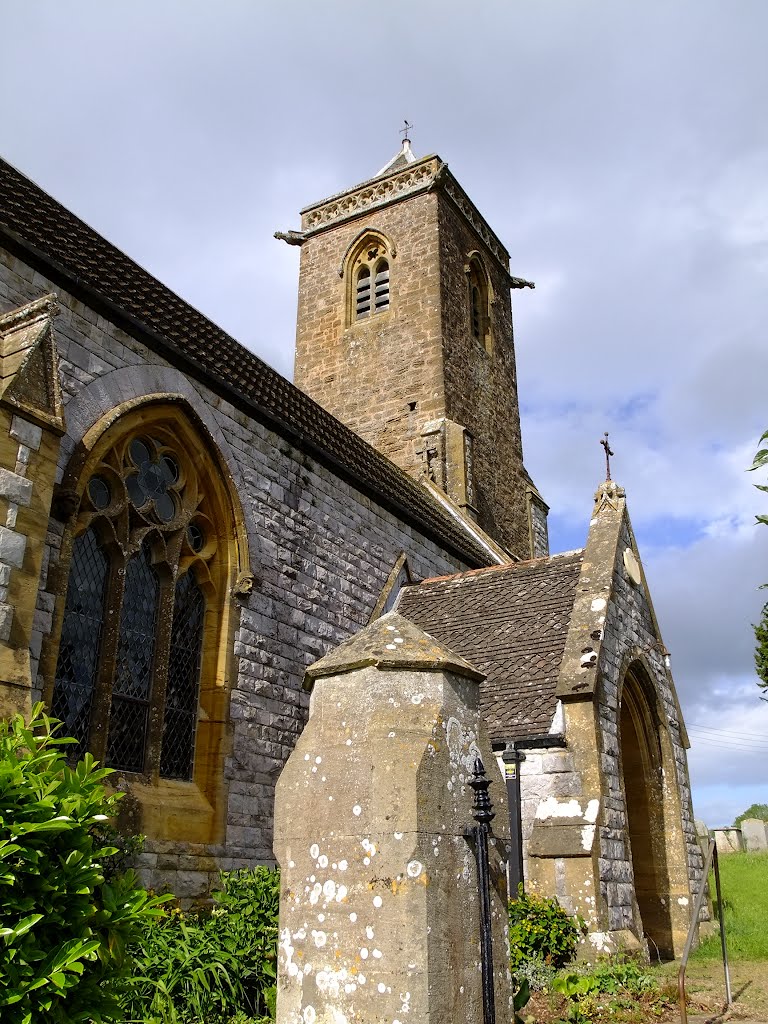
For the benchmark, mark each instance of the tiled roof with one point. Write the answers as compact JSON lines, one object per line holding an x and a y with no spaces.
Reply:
{"x":75,"y":256}
{"x":511,"y":623}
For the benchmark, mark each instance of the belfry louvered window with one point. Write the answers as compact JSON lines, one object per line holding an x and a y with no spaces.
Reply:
{"x":370,"y":279}
{"x":381,"y":287}
{"x":127,"y":683}
{"x":363,"y":307}
{"x":479,"y":303}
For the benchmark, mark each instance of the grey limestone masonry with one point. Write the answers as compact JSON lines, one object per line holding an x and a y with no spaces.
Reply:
{"x":320,"y":552}
{"x":546,"y":772}
{"x":629,"y":630}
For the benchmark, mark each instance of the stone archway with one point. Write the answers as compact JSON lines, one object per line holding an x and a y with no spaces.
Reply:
{"x":642,"y":769}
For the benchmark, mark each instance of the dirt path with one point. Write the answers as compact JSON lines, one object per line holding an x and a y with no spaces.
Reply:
{"x":706,"y":991}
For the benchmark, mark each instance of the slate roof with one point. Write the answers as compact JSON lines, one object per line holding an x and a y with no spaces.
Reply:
{"x":510,"y":622}
{"x":64,"y":248}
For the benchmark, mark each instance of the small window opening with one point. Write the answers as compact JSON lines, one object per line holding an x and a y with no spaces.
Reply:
{"x":363,"y":304}
{"x":476,"y":314}
{"x":382,"y":287}
{"x":369,"y":289}
{"x":479,"y":304}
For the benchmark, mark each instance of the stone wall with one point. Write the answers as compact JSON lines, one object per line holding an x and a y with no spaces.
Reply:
{"x":481,"y":386}
{"x":320,"y":551}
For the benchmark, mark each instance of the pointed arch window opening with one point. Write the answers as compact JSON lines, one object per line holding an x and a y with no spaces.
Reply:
{"x":479,"y":304}
{"x":371,"y":284}
{"x":127,"y":680}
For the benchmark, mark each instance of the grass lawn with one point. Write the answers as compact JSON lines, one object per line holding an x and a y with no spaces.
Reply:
{"x":744,"y":882}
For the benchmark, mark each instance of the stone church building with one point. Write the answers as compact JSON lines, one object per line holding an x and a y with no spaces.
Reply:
{"x":183,"y":532}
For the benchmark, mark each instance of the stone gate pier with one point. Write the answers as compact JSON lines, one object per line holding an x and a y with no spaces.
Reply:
{"x":380,"y":908}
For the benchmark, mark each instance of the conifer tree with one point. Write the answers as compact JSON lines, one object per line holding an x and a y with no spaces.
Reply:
{"x":761,"y":629}
{"x":761,"y":650}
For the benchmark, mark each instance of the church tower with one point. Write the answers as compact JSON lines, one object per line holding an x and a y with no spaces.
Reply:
{"x":404,"y":333}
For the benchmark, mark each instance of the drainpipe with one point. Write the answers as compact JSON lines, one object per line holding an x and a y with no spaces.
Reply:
{"x":512,"y":759}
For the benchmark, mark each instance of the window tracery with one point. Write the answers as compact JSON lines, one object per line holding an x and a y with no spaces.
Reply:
{"x":144,"y":573}
{"x":369,"y":275}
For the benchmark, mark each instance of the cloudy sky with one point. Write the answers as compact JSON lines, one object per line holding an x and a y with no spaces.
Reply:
{"x":620,"y":151}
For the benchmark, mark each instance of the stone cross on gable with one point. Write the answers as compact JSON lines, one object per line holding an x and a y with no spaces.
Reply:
{"x":608,"y":454}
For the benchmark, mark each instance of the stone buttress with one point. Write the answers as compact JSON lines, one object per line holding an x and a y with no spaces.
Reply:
{"x":31,"y":425}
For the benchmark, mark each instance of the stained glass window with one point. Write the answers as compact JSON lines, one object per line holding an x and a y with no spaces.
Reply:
{"x":183,"y":679}
{"x":80,"y":639}
{"x":129,"y":635}
{"x":129,"y":711}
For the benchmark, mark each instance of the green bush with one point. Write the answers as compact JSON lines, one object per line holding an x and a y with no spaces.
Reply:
{"x":614,"y":985}
{"x":64,"y":929}
{"x":539,"y":929}
{"x":211,"y":966}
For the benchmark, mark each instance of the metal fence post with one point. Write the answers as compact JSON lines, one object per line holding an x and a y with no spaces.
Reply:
{"x":484,"y":814}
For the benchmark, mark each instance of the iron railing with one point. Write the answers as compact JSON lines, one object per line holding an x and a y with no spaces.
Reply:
{"x":709,"y":861}
{"x":483,"y":813}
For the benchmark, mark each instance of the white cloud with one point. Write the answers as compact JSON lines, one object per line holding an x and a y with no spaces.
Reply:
{"x":619,"y":151}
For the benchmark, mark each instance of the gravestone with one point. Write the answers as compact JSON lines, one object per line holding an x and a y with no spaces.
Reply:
{"x":728,"y":840}
{"x":755,"y":833}
{"x":379,"y":905}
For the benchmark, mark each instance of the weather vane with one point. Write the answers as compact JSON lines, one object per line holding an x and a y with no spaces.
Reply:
{"x":404,"y":131}
{"x":608,"y":454}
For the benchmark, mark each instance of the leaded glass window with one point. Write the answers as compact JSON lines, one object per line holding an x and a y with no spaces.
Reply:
{"x":81,"y":638}
{"x":183,"y":679}
{"x":131,"y":686}
{"x":128,"y":675}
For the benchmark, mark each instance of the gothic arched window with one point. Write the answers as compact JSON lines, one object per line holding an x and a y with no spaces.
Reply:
{"x":148,"y":577}
{"x":479,"y":303}
{"x":368,"y":264}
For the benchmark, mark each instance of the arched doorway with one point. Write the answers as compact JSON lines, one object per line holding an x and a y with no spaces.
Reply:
{"x":641,"y":758}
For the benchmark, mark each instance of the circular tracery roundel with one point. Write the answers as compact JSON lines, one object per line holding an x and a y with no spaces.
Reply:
{"x":154,"y":485}
{"x":148,"y":482}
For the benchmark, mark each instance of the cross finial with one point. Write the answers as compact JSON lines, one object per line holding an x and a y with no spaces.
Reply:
{"x":608,"y":454}
{"x":404,"y":131}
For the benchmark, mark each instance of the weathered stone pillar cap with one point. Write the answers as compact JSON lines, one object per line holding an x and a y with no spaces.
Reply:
{"x":391,"y":642}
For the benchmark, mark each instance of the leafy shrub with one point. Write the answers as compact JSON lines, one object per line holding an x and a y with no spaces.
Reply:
{"x":627,"y":983}
{"x":617,"y":975}
{"x":539,"y":929}
{"x":536,"y":973}
{"x":64,"y":930}
{"x":211,"y":966}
